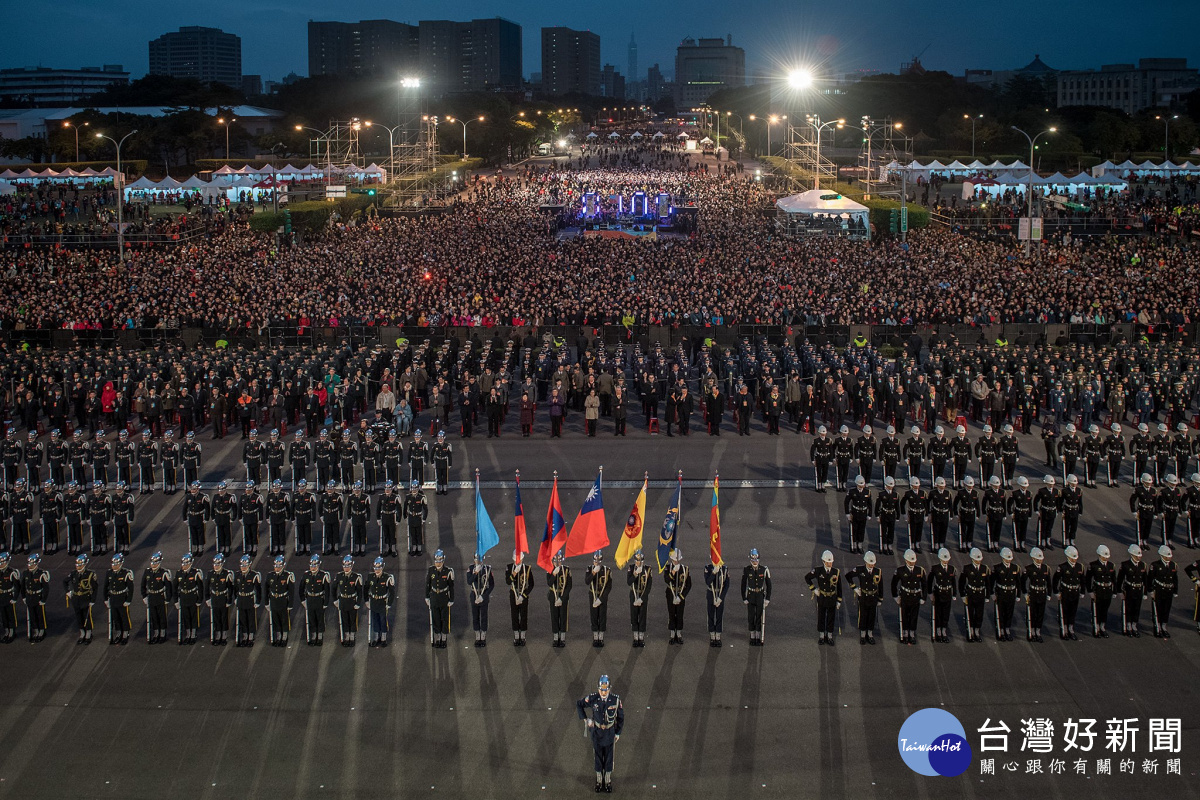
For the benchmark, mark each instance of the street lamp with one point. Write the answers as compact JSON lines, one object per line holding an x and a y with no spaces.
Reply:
{"x":1029,"y":196}
{"x":391,"y":146}
{"x":815,"y":121}
{"x":1166,"y":121}
{"x":226,"y":123}
{"x":120,"y":192}
{"x":69,"y":124}
{"x":462,"y":122}
{"x":972,"y":118}
{"x":767,"y":123}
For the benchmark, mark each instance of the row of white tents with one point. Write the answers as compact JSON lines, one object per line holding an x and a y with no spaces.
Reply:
{"x":27,"y":175}
{"x":916,"y":169}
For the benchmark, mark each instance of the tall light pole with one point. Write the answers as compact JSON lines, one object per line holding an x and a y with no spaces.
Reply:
{"x":391,"y":146}
{"x":464,"y":124}
{"x":69,"y":124}
{"x":815,"y":121}
{"x":1166,"y":121}
{"x":405,"y":83}
{"x":767,"y":123}
{"x":226,"y":123}
{"x":320,"y":135}
{"x":120,"y":181}
{"x":973,"y":118}
{"x":1029,"y":190}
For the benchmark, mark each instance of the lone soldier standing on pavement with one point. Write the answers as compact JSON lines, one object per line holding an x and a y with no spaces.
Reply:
{"x":480,"y":582}
{"x":439,"y":596}
{"x":599,"y":585}
{"x":716,"y":584}
{"x":559,"y":595}
{"x":908,"y":589}
{"x":942,"y":586}
{"x":248,"y":596}
{"x":189,"y":594}
{"x":1006,"y":587}
{"x":867,"y":580}
{"x":756,"y":596}
{"x":416,"y":511}
{"x":1163,"y":582}
{"x":381,"y":594}
{"x":826,"y":586}
{"x":605,"y":724}
{"x":315,"y":593}
{"x":1036,"y":582}
{"x":858,"y":510}
{"x":519,"y":579}
{"x":349,"y":591}
{"x":156,"y":594}
{"x":1101,"y":583}
{"x":81,"y":587}
{"x":218,"y":590}
{"x":1131,"y":583}
{"x":118,"y":594}
{"x":1067,"y":586}
{"x":678,"y":580}
{"x":974,"y":586}
{"x":281,"y":595}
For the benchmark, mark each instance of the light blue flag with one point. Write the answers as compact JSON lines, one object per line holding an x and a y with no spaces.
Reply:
{"x":486,"y":536}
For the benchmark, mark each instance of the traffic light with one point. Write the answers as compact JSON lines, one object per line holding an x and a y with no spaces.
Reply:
{"x":893,"y":220}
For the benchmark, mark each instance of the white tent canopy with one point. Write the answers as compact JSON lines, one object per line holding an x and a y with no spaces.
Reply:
{"x":827,"y":204}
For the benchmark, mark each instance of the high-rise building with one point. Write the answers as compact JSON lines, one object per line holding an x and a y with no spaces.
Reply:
{"x":208,"y":55}
{"x":44,"y":85}
{"x":612,"y":83}
{"x":475,"y":56}
{"x":706,"y":66}
{"x":367,"y":47}
{"x":654,"y":83}
{"x":1151,"y":84}
{"x":570,"y":62}
{"x":631,"y":67}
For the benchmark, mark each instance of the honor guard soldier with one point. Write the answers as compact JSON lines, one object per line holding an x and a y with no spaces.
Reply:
{"x":825,"y":583}
{"x":77,"y":455}
{"x":81,"y":587}
{"x":1036,"y":586}
{"x":299,"y":456}
{"x":915,"y":506}
{"x":1047,"y":503}
{"x":890,"y":453}
{"x":393,"y":452}
{"x":197,"y":510}
{"x":304,"y":512}
{"x":1162,"y":581}
{"x":99,"y":511}
{"x":381,"y":595}
{"x":251,"y":510}
{"x":1161,"y":449}
{"x":887,"y":511}
{"x":253,"y":452}
{"x":480,"y":583}
{"x":940,"y":451}
{"x":908,"y":590}
{"x":858,"y":510}
{"x":34,"y":453}
{"x":325,"y":455}
{"x":716,"y":585}
{"x":358,"y":509}
{"x":315,"y":593}
{"x":56,"y":458}
{"x":604,"y":728}
{"x":11,"y":453}
{"x":821,"y":453}
{"x":248,"y":596}
{"x":18,"y":505}
{"x":987,"y":452}
{"x":1131,"y":583}
{"x":519,"y":579}
{"x":1006,"y":589}
{"x":1191,"y":502}
{"x":1181,"y":450}
{"x":867,"y":580}
{"x":443,"y":460}
{"x":418,"y":457}
{"x":756,"y":596}
{"x":1141,"y":448}
{"x":1191,"y":570}
{"x":124,"y":455}
{"x":10,"y":591}
{"x":942,"y":586}
{"x":35,"y":586}
{"x":558,"y":594}
{"x":101,"y":453}
{"x":1093,"y":450}
{"x":123,"y":516}
{"x":372,"y":458}
{"x":169,"y":457}
{"x":157,"y":588}
{"x":281,"y":593}
{"x":914,"y":452}
{"x":347,"y":453}
{"x":349,"y":591}
{"x":331,"y":509}
{"x":1072,"y":509}
{"x":843,"y":453}
{"x":1020,"y":508}
{"x":224,"y":508}
{"x":1170,"y":502}
{"x":1114,"y":453}
{"x":274,"y":451}
{"x":866,"y":451}
{"x":960,"y":453}
{"x":439,"y":596}
{"x":599,"y":585}
{"x":51,"y":510}
{"x":678,"y":582}
{"x":118,"y":594}
{"x":1010,"y":453}
{"x":1144,"y":505}
{"x":387,"y":512}
{"x":73,"y":510}
{"x":1068,"y":584}
{"x":974,"y":586}
{"x":189,"y":594}
{"x":1070,"y":448}
{"x":416,"y":511}
{"x":146,"y":453}
{"x":191,"y":455}
{"x":219,"y":593}
{"x":941,"y":506}
{"x":1101,"y":582}
{"x":966,"y":508}
{"x":279,"y":511}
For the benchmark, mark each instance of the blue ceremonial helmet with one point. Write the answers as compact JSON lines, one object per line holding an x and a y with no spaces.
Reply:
{"x":439,"y":556}
{"x":378,"y":562}
{"x":316,"y":559}
{"x":245,"y":560}
{"x":347,"y":561}
{"x":279,"y":562}
{"x":81,"y":559}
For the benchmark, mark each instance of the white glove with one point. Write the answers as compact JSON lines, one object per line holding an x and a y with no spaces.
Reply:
{"x":558,"y":601}
{"x":637,"y":602}
{"x":520,"y":600}
{"x":745,"y":602}
{"x":716,"y":602}
{"x":857,"y":592}
{"x":145,"y":601}
{"x":677,"y":601}
{"x":479,"y":600}
{"x":450,"y":604}
{"x":766,"y":603}
{"x":596,"y":603}
{"x":588,"y":723}
{"x":426,"y":601}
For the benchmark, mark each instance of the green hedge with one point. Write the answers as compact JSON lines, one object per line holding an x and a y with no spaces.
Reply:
{"x":266,"y":221}
{"x":311,"y":216}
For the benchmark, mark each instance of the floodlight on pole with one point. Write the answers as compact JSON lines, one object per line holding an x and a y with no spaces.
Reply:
{"x":800,"y":79}
{"x":1029,"y":190}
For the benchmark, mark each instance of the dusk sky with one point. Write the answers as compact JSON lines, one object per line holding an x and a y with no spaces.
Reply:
{"x":865,"y":35}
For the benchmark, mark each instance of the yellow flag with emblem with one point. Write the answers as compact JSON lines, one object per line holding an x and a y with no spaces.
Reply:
{"x":631,"y":538}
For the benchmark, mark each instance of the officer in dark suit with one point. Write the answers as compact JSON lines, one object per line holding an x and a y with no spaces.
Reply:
{"x":1131,"y":583}
{"x":439,"y":596}
{"x":825,"y":583}
{"x":480,"y":583}
{"x":1101,"y":582}
{"x":1069,"y":580}
{"x":974,"y":586}
{"x":81,"y":587}
{"x":1162,"y":581}
{"x":559,"y":594}
{"x":716,"y":584}
{"x":381,"y":595}
{"x":867,"y":580}
{"x":604,"y":725}
{"x":756,"y":596}
{"x":1036,"y":586}
{"x":118,"y":594}
{"x":315,"y":593}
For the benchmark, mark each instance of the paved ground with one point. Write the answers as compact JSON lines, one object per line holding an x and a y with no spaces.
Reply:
{"x":788,"y":720}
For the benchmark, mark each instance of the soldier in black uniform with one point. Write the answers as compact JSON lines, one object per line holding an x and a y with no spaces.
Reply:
{"x":908,"y":590}
{"x":51,"y":509}
{"x":716,"y":584}
{"x":1093,"y":449}
{"x":1070,"y":448}
{"x":1020,"y":508}
{"x":821,"y":453}
{"x":941,"y":586}
{"x":519,"y":579}
{"x":677,"y":580}
{"x":274,"y":452}
{"x":1191,"y":570}
{"x":189,"y":594}
{"x":157,"y":590}
{"x":279,"y":512}
{"x":392,"y":452}
{"x":1141,"y":447}
{"x":331,"y":508}
{"x":1191,"y":504}
{"x":218,"y":594}
{"x":756,"y":596}
{"x":940,"y":451}
{"x":825,"y":583}
{"x":890,"y":453}
{"x":224,"y":508}
{"x":387,"y":512}
{"x":191,"y":455}
{"x":1162,"y":581}
{"x":11,"y":453}
{"x":248,"y":596}
{"x":280,"y":590}
{"x":299,"y":456}
{"x":1036,"y":587}
{"x":416,"y":511}
{"x":1144,"y":505}
{"x":843,"y":453}
{"x":961,"y":453}
{"x":1006,"y":589}
{"x":197,"y":510}
{"x":122,"y":507}
{"x":371,"y":457}
{"x":18,"y":505}
{"x":1169,"y":503}
{"x":1071,"y":503}
{"x":1010,"y":454}
{"x":253,"y":453}
{"x":1131,"y":583}
{"x":443,"y":460}
{"x":559,"y":595}
{"x":124,"y":453}
{"x":974,"y":586}
{"x":604,"y":727}
{"x":1114,"y":453}
{"x":987,"y":451}
{"x":1160,"y":448}
{"x":33,"y":455}
{"x":418,"y":457}
{"x":315,"y":594}
{"x":866,"y":451}
{"x":74,"y":508}
{"x":118,"y":594}
{"x":10,"y":592}
{"x":146,"y":453}
{"x":858,"y":510}
{"x":1181,"y":450}
{"x":1101,"y":582}
{"x":101,"y":453}
{"x":56,"y":458}
{"x":439,"y":596}
{"x":325,"y":455}
{"x":77,"y":454}
{"x":867,"y":580}
{"x":915,"y":506}
{"x":941,"y":505}
{"x":250,"y":508}
{"x":887,"y":511}
{"x":914,"y":453}
{"x":81,"y":587}
{"x":1068,"y":585}
{"x":304,"y":512}
{"x":1047,"y":503}
{"x":599,"y":585}
{"x":35,"y":587}
{"x":349,"y":592}
{"x":99,"y":511}
{"x":169,"y":457}
{"x":381,"y":595}
{"x":358,"y":510}
{"x":966,"y":508}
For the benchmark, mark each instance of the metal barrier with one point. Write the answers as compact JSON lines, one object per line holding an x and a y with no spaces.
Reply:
{"x":18,"y":241}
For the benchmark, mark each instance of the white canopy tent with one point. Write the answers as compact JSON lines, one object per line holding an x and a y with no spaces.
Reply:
{"x":822,"y":210}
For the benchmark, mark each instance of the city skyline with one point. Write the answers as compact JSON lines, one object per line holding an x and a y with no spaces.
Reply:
{"x":949,"y":36}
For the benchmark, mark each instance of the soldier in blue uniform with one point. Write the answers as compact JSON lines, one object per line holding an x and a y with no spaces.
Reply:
{"x":439,"y":596}
{"x":604,"y":727}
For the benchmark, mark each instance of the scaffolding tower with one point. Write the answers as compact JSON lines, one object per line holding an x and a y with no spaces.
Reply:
{"x":809,"y":167}
{"x":882,"y":143}
{"x":413,"y":158}
{"x":337,"y":150}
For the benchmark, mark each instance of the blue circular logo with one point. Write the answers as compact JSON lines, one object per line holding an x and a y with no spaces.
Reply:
{"x":933,"y":742}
